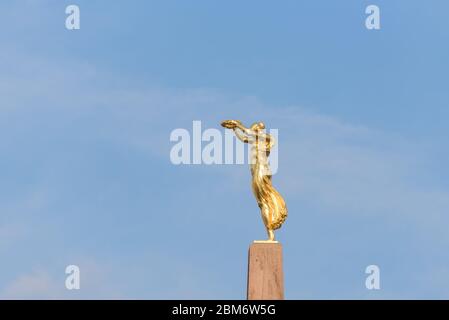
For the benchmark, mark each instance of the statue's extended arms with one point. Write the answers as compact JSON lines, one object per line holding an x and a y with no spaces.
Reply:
{"x":245,"y":130}
{"x":239,"y":134}
{"x":243,"y":133}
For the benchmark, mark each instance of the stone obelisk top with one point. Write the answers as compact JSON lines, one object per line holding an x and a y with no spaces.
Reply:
{"x":265,"y":271}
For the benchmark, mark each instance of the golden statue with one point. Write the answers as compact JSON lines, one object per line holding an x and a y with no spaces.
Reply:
{"x":272,"y":205}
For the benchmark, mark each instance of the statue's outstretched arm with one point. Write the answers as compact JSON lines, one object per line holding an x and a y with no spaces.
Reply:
{"x":245,"y":130}
{"x":241,"y":135}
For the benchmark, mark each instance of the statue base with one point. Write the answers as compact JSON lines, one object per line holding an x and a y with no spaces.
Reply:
{"x":265,"y":271}
{"x":265,"y":241}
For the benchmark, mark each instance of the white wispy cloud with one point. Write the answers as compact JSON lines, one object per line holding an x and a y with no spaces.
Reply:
{"x":35,"y":285}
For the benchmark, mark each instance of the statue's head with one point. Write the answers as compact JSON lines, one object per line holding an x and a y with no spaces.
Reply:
{"x":258,"y":126}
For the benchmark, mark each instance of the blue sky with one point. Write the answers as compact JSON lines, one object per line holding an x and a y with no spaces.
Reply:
{"x":85,"y":120}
